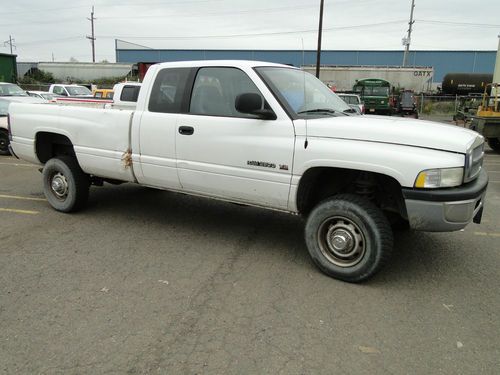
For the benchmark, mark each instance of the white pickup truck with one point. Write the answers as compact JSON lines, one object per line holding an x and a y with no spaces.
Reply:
{"x":265,"y":135}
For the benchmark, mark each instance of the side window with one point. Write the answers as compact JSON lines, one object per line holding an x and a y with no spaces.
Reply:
{"x":58,"y":90}
{"x":98,"y":94}
{"x":215,"y":91}
{"x":168,"y":90}
{"x":130,"y":93}
{"x":110,"y":95}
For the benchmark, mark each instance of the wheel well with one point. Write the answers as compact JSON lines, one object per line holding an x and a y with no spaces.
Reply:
{"x":49,"y":145}
{"x":320,"y":183}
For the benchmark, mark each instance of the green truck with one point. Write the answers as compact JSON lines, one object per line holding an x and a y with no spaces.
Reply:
{"x":8,"y":68}
{"x":376,"y":94}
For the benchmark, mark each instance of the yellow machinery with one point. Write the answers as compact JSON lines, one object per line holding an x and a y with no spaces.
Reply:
{"x":487,"y":119}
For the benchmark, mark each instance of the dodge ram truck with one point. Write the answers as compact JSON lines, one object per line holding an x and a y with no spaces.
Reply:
{"x":266,"y":135}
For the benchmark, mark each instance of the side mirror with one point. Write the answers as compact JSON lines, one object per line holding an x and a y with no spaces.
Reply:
{"x":251,"y":103}
{"x":63,"y":93}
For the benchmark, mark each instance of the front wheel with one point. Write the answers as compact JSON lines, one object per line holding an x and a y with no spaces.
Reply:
{"x":4,"y":143}
{"x":494,"y":143}
{"x":348,"y":237}
{"x":65,"y":185}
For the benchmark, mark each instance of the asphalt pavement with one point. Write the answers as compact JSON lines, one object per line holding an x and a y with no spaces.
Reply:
{"x":146,"y":281}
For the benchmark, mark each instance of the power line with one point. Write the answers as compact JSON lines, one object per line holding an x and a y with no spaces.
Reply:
{"x":219,"y":13}
{"x":154,"y":37}
{"x":451,"y":23}
{"x":31,"y":11}
{"x":54,"y":40}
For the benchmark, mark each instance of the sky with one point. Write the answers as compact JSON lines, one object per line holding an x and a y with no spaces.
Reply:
{"x":54,"y":29}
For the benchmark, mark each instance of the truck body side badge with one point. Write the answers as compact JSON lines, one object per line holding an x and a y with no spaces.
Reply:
{"x":261,"y":164}
{"x":284,"y":167}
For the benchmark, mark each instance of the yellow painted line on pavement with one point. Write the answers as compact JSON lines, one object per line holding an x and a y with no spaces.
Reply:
{"x":20,"y":165}
{"x":27,"y":212}
{"x":487,"y":234}
{"x":22,"y":198}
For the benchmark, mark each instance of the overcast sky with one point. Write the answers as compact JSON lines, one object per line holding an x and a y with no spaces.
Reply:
{"x":43,"y":28}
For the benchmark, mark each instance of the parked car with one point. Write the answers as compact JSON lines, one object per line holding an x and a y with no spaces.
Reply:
{"x":354,"y":101}
{"x":74,"y":91}
{"x":5,"y":102}
{"x":271,"y":136}
{"x":103,"y":93}
{"x":43,"y":95}
{"x":11,"y":89}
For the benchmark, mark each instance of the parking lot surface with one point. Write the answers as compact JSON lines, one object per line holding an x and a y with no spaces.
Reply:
{"x":146,"y":281}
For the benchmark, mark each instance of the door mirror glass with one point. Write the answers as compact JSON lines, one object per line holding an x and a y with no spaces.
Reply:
{"x":252,"y":104}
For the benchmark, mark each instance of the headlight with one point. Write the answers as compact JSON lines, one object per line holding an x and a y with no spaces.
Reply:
{"x":437,"y":178}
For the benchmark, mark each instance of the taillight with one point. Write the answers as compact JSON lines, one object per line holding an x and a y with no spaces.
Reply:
{"x":8,"y":127}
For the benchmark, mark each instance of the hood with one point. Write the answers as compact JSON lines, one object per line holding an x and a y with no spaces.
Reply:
{"x":396,"y":130}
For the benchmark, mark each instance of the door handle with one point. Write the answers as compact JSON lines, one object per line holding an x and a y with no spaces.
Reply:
{"x":186,"y":130}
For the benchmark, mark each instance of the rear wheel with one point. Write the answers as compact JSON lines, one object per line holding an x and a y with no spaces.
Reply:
{"x":65,"y":185}
{"x":348,"y":237}
{"x":494,"y":143}
{"x":4,"y":142}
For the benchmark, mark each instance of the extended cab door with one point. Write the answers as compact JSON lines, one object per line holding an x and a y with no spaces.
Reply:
{"x":158,"y":127}
{"x":224,"y":153}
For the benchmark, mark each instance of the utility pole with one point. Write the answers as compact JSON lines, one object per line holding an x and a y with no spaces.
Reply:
{"x":407,"y":40}
{"x":92,"y":37}
{"x":320,"y":31}
{"x":10,"y":42}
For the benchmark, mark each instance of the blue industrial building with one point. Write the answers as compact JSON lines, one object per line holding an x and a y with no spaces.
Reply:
{"x":443,"y":62}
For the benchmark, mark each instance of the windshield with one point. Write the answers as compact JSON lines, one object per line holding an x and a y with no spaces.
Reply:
{"x":350,"y":99}
{"x":78,"y":90}
{"x":4,"y":106}
{"x":11,"y":90}
{"x":301,"y":92}
{"x":373,"y":90}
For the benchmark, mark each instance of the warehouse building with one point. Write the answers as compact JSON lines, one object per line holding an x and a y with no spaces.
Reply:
{"x":443,"y":62}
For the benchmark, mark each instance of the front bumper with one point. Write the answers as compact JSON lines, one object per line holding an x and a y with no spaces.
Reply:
{"x":445,"y":210}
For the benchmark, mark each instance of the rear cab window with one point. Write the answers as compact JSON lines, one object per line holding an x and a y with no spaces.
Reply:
{"x":130,"y":93}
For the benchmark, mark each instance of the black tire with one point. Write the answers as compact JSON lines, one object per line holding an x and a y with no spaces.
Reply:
{"x":65,"y":185}
{"x":494,"y":143}
{"x":4,"y":142}
{"x":368,"y":233}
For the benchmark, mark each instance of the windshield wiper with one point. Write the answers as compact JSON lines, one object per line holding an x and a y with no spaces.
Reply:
{"x":318,"y":110}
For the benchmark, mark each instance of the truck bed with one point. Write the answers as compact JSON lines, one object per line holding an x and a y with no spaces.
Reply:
{"x":99,"y":149}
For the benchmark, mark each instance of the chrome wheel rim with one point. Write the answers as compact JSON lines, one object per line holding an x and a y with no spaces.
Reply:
{"x":341,"y":241}
{"x":59,"y":186}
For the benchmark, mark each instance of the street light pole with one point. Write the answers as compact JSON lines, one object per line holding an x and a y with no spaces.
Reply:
{"x":320,"y":31}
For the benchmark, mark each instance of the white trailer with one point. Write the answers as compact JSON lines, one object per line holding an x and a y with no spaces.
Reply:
{"x":343,"y":78}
